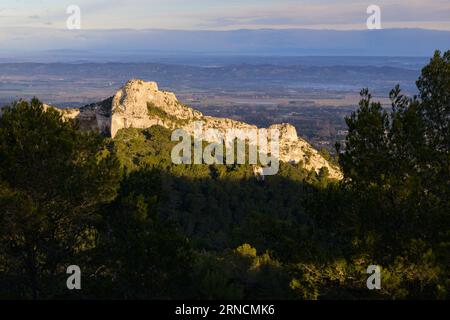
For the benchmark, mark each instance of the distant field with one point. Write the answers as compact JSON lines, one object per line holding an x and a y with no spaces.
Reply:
{"x":315,"y":98}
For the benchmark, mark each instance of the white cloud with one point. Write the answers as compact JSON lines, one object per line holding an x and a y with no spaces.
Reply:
{"x":227,"y":14}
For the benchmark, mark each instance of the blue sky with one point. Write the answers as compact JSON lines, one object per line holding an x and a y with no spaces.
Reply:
{"x":226,"y":14}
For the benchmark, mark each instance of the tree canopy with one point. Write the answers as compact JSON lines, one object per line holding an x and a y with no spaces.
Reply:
{"x":141,"y":227}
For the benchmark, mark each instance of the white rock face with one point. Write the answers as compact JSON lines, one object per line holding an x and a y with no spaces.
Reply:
{"x":288,"y":133}
{"x":141,"y":104}
{"x":131,"y":104}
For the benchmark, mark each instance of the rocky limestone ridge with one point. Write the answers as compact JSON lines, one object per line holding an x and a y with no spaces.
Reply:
{"x":141,"y":104}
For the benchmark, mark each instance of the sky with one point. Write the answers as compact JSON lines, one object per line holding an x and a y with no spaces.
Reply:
{"x":225,"y":14}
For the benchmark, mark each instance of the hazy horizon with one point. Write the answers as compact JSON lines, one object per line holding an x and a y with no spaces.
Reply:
{"x":251,"y":27}
{"x":261,"y":42}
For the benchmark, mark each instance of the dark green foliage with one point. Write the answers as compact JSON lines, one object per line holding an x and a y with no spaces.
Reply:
{"x":144,"y":256}
{"x":366,"y":147}
{"x":141,"y":227}
{"x":54,"y":179}
{"x":396,"y":165}
{"x":154,"y":112}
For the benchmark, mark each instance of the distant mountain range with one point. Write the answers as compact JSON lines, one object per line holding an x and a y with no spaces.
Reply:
{"x":22,"y":43}
{"x":25,"y":79}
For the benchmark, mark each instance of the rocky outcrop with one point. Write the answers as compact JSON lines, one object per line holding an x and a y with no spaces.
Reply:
{"x":141,"y":104}
{"x":294,"y":149}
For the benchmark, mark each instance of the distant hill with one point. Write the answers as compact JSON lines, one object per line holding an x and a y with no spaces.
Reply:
{"x":129,"y":43}
{"x":140,"y":104}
